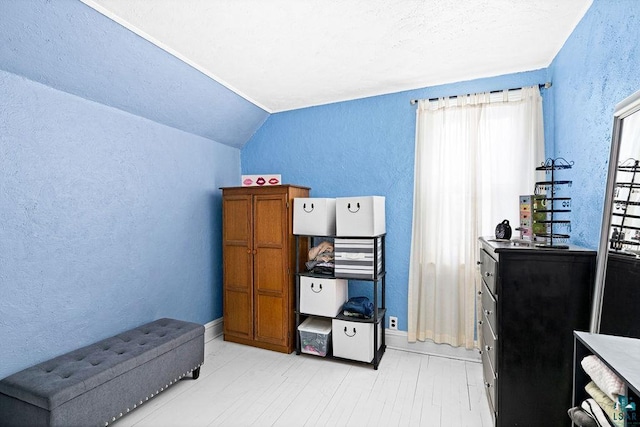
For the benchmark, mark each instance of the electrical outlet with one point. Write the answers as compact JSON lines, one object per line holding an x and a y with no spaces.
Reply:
{"x":393,"y":323}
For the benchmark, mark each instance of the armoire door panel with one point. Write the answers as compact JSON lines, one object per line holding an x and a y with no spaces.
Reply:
{"x":238,"y":314}
{"x":270,"y":318}
{"x":269,"y":270}
{"x":237,"y":220}
{"x":238,"y":268}
{"x":270,"y":220}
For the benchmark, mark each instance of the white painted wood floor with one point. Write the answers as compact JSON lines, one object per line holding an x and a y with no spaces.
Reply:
{"x":245,"y":386}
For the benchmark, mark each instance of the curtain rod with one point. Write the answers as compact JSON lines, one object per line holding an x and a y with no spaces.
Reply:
{"x":546,"y":85}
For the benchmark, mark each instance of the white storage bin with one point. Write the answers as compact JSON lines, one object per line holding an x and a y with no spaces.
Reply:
{"x":360,"y":216}
{"x":315,"y":336}
{"x":322,"y":296}
{"x":354,"y":340}
{"x":355,"y":258}
{"x":314,"y":216}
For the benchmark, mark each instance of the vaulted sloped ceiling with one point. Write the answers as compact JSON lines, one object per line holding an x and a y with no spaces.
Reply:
{"x":69,"y":46}
{"x":289,"y":54}
{"x":218,"y":68}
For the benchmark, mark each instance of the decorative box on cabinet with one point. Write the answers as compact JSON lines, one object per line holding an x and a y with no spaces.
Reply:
{"x":369,"y":345}
{"x":532,"y":300}
{"x":259,"y":265}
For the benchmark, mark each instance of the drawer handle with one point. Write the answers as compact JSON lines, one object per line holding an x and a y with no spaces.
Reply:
{"x":347,"y":334}
{"x":488,"y":274}
{"x":304,"y":207}
{"x":479,"y":322}
{"x":488,"y":312}
{"x":480,"y":351}
{"x":487,"y":347}
{"x":479,"y":292}
{"x":349,"y":207}
{"x":488,"y":385}
{"x":479,"y":262}
{"x":319,"y":290}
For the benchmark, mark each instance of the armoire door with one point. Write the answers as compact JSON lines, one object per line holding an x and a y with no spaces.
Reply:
{"x":238,"y":266}
{"x":270,"y":265}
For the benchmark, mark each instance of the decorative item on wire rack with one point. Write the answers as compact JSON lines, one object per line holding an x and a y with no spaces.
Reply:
{"x":625,"y":220}
{"x":551,"y":206}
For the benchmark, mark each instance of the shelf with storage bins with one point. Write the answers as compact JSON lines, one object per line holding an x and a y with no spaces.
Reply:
{"x":620,"y":357}
{"x":550,"y":206}
{"x":321,"y":296}
{"x":625,"y":221}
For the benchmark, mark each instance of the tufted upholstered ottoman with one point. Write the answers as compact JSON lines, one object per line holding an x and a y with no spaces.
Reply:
{"x":97,"y":384}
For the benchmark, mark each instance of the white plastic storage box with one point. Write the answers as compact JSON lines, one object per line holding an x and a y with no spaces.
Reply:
{"x":354,"y":340}
{"x":315,"y":336}
{"x":322,"y":296}
{"x":360,"y":216}
{"x":355,"y":258}
{"x":314,"y":216}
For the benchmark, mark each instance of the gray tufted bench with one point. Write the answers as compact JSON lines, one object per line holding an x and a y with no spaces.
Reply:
{"x":97,"y":384}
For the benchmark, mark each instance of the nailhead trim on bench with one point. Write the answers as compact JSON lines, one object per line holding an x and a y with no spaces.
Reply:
{"x":152,"y":395}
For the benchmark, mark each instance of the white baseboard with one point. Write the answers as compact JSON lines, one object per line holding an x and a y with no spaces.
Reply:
{"x":398,"y":340}
{"x":213,"y":329}
{"x":394,"y":339}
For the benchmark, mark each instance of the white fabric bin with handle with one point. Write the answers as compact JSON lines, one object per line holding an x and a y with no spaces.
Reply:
{"x":322,"y":296}
{"x":314,"y":216}
{"x":360,"y":216}
{"x":354,"y":340}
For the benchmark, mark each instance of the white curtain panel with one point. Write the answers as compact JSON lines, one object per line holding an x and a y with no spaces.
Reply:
{"x":475,"y":155}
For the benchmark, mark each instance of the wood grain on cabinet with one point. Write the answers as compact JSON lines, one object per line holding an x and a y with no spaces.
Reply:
{"x":258,"y":266}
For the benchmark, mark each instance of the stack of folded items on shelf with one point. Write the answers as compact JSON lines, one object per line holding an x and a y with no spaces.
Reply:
{"x":321,"y":259}
{"x":606,"y":405}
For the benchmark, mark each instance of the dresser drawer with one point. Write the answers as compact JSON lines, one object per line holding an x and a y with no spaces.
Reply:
{"x":489,"y":380}
{"x":489,"y":344}
{"x":489,"y":309}
{"x":488,"y":270}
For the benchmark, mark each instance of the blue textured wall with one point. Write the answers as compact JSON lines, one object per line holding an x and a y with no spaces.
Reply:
{"x":597,"y":68}
{"x":362,"y":147}
{"x":107,"y":221}
{"x":67,"y":45}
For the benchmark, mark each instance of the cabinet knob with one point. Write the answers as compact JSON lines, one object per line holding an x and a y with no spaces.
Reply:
{"x":488,"y":312}
{"x":479,"y":292}
{"x":487,"y":385}
{"x":488,"y":274}
{"x":478,"y":262}
{"x":487,"y":347}
{"x":248,"y":250}
{"x":479,"y":322}
{"x":255,"y":251}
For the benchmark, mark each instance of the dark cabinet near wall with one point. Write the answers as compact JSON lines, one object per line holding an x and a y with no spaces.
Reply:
{"x":532,"y":301}
{"x":621,"y":296}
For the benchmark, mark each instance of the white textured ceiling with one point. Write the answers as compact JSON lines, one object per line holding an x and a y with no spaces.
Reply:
{"x":288,"y":54}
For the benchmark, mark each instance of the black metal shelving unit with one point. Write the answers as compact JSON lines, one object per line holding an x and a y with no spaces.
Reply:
{"x":550,"y":207}
{"x":378,"y":280}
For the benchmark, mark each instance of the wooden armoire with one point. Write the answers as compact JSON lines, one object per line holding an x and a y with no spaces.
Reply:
{"x":259,"y":265}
